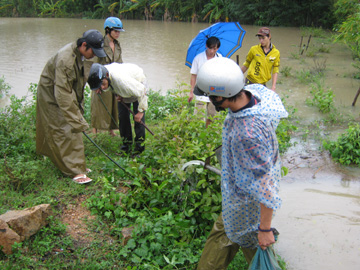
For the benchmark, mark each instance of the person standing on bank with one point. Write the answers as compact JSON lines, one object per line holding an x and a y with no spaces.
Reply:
{"x":250,"y":169}
{"x":128,"y":82}
{"x":262,"y":60}
{"x":100,"y":118}
{"x":59,"y":111}
{"x":212,"y":46}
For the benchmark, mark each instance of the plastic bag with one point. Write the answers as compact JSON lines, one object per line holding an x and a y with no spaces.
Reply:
{"x":264,"y":260}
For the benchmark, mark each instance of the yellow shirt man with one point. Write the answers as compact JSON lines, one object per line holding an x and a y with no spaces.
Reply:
{"x":262,"y":61}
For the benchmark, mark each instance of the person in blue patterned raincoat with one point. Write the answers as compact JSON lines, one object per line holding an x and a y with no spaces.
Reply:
{"x":250,"y":170}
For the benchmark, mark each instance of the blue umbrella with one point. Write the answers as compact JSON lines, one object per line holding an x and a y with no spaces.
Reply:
{"x":230,"y":34}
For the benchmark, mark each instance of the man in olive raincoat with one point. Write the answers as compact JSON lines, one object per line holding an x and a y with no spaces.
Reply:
{"x":59,"y":112}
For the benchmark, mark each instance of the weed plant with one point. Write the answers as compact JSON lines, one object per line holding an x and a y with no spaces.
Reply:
{"x":346,"y":149}
{"x":171,"y":211}
{"x":313,"y":31}
{"x":4,"y":87}
{"x":286,"y":71}
{"x":322,"y":98}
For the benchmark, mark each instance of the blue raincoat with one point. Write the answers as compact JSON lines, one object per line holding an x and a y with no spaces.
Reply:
{"x":250,"y":165}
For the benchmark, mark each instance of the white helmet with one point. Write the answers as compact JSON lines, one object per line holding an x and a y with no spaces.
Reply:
{"x":219,"y":76}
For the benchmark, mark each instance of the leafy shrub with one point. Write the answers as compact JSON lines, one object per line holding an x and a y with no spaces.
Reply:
{"x":4,"y":87}
{"x":170,"y":210}
{"x":346,"y":150}
{"x":164,"y":203}
{"x":321,"y":98}
{"x":160,"y":106}
{"x":21,"y":166}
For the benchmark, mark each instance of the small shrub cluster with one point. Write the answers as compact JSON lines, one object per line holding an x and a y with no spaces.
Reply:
{"x":346,"y":149}
{"x":4,"y":87}
{"x":322,"y":98}
{"x":171,"y":210}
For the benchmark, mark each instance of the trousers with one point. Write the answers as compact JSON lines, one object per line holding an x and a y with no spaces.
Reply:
{"x":125,"y":126}
{"x":219,"y":250}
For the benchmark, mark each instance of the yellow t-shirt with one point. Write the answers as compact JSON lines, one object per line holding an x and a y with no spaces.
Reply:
{"x":261,"y":66}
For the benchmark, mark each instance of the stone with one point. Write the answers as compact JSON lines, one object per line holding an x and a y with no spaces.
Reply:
{"x":28,"y":221}
{"x":7,"y":238}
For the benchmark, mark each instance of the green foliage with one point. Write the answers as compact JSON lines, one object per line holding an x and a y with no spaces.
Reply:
{"x":87,"y":104}
{"x":343,"y":9}
{"x":17,"y":125}
{"x":286,"y":71}
{"x":161,"y":106}
{"x":166,"y":205}
{"x":217,"y":10}
{"x":21,"y":167}
{"x":349,"y":30}
{"x":51,"y":8}
{"x":322,"y":98}
{"x":286,"y":128}
{"x":4,"y":87}
{"x":273,"y":13}
{"x":308,"y":76}
{"x":313,"y":31}
{"x":102,"y":9}
{"x":169,"y":210}
{"x":346,"y":150}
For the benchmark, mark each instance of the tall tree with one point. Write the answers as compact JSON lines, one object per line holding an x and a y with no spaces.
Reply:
{"x":217,"y":10}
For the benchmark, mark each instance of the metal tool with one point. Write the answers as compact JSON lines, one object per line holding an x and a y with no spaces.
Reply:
{"x":207,"y":162}
{"x":202,"y":163}
{"x":102,"y":151}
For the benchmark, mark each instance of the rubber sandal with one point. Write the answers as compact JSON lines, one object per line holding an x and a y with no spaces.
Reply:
{"x":75,"y":179}
{"x":88,"y":170}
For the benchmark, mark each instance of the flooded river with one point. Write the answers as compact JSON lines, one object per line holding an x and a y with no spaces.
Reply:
{"x":319,"y":221}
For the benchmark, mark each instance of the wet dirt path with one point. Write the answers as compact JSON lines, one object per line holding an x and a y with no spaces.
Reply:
{"x":319,"y":222}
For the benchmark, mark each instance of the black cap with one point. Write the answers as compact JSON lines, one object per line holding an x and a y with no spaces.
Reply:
{"x":96,"y":42}
{"x":97,"y":74}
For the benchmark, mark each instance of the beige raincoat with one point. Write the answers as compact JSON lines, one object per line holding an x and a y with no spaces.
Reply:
{"x":59,"y":112}
{"x":100,"y":118}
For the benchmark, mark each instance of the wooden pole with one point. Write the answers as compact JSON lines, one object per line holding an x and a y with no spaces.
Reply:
{"x":307,"y":46}
{"x":237,"y":59}
{"x":356,"y":96}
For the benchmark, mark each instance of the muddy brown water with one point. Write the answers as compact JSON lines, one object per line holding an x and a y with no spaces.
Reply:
{"x":319,"y":221}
